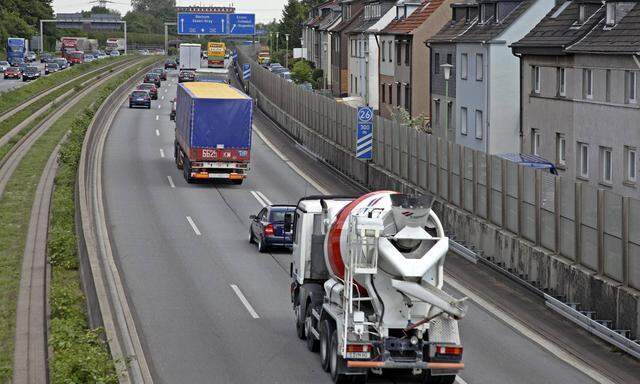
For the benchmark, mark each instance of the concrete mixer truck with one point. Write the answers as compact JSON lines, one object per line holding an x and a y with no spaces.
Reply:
{"x":367,"y":277}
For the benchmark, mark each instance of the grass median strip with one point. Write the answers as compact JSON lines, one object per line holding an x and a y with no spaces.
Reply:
{"x":15,"y":97}
{"x":79,"y":354}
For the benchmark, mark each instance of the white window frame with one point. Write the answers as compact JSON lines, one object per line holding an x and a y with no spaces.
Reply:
{"x":479,"y":66}
{"x":633,"y":87}
{"x":606,"y":165}
{"x":562,"y":81}
{"x":588,"y":79}
{"x":537,"y":79}
{"x":611,"y":14}
{"x":464,"y":66}
{"x":480,"y":122}
{"x":536,"y":138}
{"x":583,"y":160}
{"x":561,"y":149}
{"x":630,"y":164}
{"x":464,"y":121}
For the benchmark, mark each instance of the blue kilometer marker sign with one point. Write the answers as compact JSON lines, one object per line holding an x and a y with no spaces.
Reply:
{"x":364,"y":143}
{"x":234,"y":24}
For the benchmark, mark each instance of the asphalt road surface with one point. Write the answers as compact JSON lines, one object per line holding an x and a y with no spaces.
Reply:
{"x":209,"y":307}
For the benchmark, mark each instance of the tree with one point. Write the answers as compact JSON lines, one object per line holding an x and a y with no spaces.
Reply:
{"x":21,"y":18}
{"x":149,"y":16}
{"x":420,"y":123}
{"x":301,"y":72}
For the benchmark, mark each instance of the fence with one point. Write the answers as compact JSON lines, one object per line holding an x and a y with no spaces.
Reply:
{"x":596,"y":229}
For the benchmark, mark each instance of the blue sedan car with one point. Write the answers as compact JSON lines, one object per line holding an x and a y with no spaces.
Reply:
{"x":267,"y":228}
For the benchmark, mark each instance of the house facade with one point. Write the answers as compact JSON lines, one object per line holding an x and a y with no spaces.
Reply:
{"x":580,"y":104}
{"x":443,"y":91}
{"x":415,"y":22}
{"x":487,"y":83}
{"x":339,"y":34}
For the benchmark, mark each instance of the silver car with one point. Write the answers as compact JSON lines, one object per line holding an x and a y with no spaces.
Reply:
{"x":4,"y":65}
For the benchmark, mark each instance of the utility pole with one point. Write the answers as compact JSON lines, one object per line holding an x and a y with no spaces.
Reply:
{"x":277,"y":41}
{"x":286,"y":54}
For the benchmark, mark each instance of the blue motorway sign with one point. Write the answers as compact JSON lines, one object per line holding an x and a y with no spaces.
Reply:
{"x":202,"y":24}
{"x":365,"y":114}
{"x":364,"y":145}
{"x":242,"y":24}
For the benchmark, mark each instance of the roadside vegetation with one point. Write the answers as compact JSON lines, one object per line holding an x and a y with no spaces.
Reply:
{"x":79,"y":354}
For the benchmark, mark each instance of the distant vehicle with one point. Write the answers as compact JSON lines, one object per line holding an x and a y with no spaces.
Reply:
{"x":31,"y":73}
{"x":16,"y":61}
{"x":45,"y":58}
{"x":262,"y":56}
{"x":51,"y":68}
{"x":189,"y":56}
{"x":4,"y":65}
{"x":154,"y":78}
{"x":213,"y":132}
{"x":170,"y":63}
{"x":531,"y":161}
{"x":216,"y":54}
{"x":144,"y":52}
{"x":306,"y":86}
{"x":214,"y":75}
{"x":115,"y":44}
{"x":12,"y":73}
{"x":114,"y":53}
{"x":75,"y":57}
{"x":62,"y":62}
{"x":161,"y":72}
{"x":31,"y":57}
{"x":186,"y":75}
{"x":267,"y":228}
{"x":88,"y":58}
{"x":17,"y":48}
{"x":70,"y":46}
{"x":140,"y":98}
{"x":151,"y":88}
{"x":275,"y":66}
{"x":279,"y":70}
{"x":286,"y":75}
{"x":172,"y":114}
{"x":100,"y":55}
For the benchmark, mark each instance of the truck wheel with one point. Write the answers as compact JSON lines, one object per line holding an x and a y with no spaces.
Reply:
{"x":312,"y":342}
{"x":326,"y":329}
{"x":300,"y":312}
{"x":336,"y":361}
{"x":186,"y":170}
{"x":177,"y":154}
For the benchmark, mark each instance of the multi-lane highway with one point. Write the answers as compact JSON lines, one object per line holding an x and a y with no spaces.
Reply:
{"x":9,"y":84}
{"x":209,"y":307}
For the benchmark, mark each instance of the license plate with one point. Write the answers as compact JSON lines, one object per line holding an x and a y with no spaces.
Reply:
{"x":358,"y":355}
{"x":139,"y":99}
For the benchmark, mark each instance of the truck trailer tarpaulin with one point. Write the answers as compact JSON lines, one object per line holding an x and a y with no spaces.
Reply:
{"x":213,"y":130}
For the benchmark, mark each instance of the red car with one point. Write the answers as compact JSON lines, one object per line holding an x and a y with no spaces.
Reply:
{"x":149,"y":87}
{"x":13,"y":73}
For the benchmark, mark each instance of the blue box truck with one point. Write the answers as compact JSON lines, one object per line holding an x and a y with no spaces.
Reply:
{"x":213,"y":132}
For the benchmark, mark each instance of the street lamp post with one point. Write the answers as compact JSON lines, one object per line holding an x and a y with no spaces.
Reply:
{"x":447,"y":74}
{"x":286,"y":53}
{"x":277,"y":41}
{"x":270,"y":41}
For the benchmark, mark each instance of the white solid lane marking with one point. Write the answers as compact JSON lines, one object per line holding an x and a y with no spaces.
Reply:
{"x":159,"y":106}
{"x":264,"y":198}
{"x":171,"y":184}
{"x":460,"y":380}
{"x":258,"y":198}
{"x":193,"y":226}
{"x":244,"y":300}
{"x":529,"y":333}
{"x":157,"y":117}
{"x":295,"y":168}
{"x":162,"y":97}
{"x":157,"y":132}
{"x":161,"y":152}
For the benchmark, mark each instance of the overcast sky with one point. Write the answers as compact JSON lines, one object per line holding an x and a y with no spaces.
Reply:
{"x":265,"y":10}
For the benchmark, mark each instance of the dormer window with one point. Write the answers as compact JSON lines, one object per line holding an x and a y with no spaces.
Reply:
{"x":611,"y":14}
{"x":583,"y":14}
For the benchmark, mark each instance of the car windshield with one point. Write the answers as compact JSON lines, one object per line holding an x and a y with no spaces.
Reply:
{"x":139,"y":94}
{"x":4,"y":63}
{"x":145,"y":86}
{"x":53,"y":65}
{"x":32,"y":69}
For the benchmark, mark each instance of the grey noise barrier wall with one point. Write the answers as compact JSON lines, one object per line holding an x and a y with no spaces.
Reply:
{"x":578,"y":244}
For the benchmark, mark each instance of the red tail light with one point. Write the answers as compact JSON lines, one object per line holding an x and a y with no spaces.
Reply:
{"x":358,"y":348}
{"x":444,"y":350}
{"x":268,"y":230}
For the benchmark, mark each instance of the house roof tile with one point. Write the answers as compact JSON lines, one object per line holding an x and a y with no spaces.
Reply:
{"x":416,"y":19}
